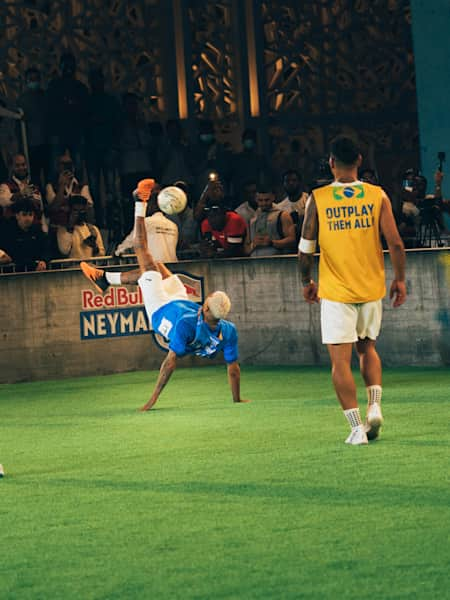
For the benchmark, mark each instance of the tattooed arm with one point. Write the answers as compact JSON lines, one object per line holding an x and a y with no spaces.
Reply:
{"x":307,"y":248}
{"x":167,"y":368}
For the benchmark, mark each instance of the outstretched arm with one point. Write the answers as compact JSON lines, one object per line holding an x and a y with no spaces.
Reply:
{"x":167,"y":368}
{"x":234,"y":377}
{"x":307,"y":248}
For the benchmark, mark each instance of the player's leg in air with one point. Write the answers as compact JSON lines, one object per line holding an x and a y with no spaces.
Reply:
{"x":102,"y":279}
{"x":142,"y":195}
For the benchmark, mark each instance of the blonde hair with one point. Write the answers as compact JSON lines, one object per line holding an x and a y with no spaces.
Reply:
{"x":219,"y":304}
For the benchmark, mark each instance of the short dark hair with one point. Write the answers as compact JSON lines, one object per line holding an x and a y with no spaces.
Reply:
{"x":77,"y":199}
{"x":344,"y":150}
{"x":265,"y":188}
{"x":23,"y":204}
{"x":182,"y":185}
{"x":292,"y":172}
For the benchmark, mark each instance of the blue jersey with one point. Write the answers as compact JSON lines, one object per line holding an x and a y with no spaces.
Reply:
{"x":182,"y":324}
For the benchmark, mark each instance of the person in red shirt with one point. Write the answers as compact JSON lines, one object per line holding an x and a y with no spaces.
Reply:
{"x":223,"y":232}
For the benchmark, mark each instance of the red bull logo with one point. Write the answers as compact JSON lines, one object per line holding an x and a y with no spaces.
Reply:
{"x":114,"y":297}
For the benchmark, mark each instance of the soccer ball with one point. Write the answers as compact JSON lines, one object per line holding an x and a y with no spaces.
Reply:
{"x":172,"y":200}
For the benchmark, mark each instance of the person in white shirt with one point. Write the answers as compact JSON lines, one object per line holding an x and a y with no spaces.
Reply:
{"x":58,"y":193}
{"x":249,"y":206}
{"x":67,"y":184}
{"x":162,"y":235}
{"x":295,"y":199}
{"x":19,"y":183}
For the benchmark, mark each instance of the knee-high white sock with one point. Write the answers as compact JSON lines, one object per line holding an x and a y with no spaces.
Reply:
{"x":113,"y":277}
{"x":353,"y":417}
{"x":374,"y":393}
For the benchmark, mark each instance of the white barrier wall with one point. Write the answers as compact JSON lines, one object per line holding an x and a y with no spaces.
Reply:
{"x":54,"y":325}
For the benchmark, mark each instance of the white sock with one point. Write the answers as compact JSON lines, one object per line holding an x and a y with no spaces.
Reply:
{"x":140,"y":209}
{"x":353,"y":417}
{"x":374,"y":394}
{"x":113,"y":278}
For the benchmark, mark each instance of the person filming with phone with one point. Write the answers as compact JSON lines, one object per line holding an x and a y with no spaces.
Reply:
{"x":79,"y":238}
{"x":223,"y":232}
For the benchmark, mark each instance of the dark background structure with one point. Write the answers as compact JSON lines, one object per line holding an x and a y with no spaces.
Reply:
{"x":297,"y":71}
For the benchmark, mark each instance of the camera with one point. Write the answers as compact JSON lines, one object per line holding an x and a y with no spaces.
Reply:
{"x":413,"y":181}
{"x":429,"y":208}
{"x":91,"y":241}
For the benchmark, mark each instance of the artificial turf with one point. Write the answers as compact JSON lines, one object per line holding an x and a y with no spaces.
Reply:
{"x":200,"y":498}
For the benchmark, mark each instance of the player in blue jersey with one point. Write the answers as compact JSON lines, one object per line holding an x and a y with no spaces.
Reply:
{"x":190,"y":329}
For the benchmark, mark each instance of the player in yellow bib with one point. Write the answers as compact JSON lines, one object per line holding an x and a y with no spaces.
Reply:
{"x":348,"y":217}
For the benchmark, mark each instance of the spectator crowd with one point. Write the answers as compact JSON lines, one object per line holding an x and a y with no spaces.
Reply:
{"x":86,"y":152}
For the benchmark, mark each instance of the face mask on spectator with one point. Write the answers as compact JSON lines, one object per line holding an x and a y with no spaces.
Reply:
{"x":33,"y":85}
{"x":249,"y":144}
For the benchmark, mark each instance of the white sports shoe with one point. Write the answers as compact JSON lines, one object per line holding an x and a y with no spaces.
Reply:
{"x":2,"y":472}
{"x":374,"y":421}
{"x":357,"y":436}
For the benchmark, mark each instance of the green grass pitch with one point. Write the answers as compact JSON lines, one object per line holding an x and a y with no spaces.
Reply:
{"x":201,"y":498}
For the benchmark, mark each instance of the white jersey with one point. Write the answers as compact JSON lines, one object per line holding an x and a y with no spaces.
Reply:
{"x":297,"y":206}
{"x":162,"y":239}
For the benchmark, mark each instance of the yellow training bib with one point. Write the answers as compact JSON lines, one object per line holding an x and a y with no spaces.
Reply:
{"x":351,"y":267}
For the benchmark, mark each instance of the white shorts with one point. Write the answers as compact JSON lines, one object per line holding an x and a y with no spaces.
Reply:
{"x":346,"y":323}
{"x":157,"y":291}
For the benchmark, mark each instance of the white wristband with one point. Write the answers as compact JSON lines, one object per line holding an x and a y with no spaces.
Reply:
{"x":307,"y":246}
{"x":140,"y":209}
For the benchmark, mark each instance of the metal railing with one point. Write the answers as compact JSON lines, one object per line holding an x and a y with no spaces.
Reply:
{"x":61,"y":264}
{"x":130,"y":260}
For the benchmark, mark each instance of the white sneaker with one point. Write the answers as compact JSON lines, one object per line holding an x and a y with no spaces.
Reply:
{"x":374,"y":421}
{"x":357,"y":436}
{"x":2,"y":472}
